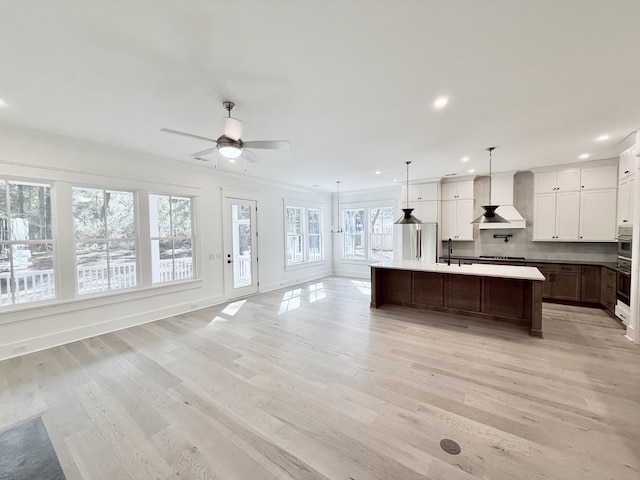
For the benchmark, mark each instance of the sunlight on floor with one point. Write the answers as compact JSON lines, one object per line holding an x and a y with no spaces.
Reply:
{"x":233,"y":308}
{"x":217,"y":319}
{"x":316,"y":292}
{"x":290,"y":301}
{"x":364,"y":287}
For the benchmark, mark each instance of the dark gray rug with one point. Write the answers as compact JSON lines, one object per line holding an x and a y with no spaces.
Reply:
{"x":26,"y":453}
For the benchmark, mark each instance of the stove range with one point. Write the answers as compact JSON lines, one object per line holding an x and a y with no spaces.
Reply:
{"x":498,"y":257}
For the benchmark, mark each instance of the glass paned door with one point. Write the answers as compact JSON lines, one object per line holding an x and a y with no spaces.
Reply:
{"x":240,"y":247}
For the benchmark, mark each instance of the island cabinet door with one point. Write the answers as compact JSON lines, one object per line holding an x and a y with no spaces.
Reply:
{"x":505,"y":297}
{"x":428,"y":289}
{"x":463,"y":292}
{"x":396,"y":286}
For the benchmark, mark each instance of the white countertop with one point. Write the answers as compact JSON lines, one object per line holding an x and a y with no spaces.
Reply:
{"x":477,"y":269}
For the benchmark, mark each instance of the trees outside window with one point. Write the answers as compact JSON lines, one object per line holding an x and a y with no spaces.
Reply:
{"x":303,"y":235}
{"x":104,"y":229}
{"x":368,"y":233}
{"x":171,"y":224}
{"x":26,"y":243}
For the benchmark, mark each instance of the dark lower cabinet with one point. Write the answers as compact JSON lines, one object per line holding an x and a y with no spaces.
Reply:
{"x":590,"y":284}
{"x":608,"y":289}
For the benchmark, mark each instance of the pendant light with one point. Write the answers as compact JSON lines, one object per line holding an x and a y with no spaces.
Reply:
{"x":407,"y":218}
{"x":339,"y":230}
{"x":490,"y":215}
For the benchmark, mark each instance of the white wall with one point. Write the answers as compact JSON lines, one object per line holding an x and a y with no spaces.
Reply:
{"x":64,"y":161}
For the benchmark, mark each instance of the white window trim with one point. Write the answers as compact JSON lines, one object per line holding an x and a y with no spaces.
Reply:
{"x":305,"y":206}
{"x":360,"y":206}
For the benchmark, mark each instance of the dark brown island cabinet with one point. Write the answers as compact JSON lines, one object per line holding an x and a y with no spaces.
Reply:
{"x":497,"y":292}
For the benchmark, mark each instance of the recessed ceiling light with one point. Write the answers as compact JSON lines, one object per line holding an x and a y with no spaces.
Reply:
{"x":464,"y":159}
{"x":378,"y":172}
{"x":471,"y":171}
{"x":583,"y":156}
{"x":602,"y":138}
{"x":440,"y":102}
{"x":3,"y":103}
{"x":395,"y":179}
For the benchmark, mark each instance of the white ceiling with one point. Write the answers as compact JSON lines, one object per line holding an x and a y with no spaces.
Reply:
{"x":350,"y":83}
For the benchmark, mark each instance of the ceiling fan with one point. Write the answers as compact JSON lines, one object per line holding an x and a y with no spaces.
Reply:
{"x":229,"y":144}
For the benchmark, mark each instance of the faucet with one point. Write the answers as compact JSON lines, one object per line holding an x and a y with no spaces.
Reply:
{"x":449,"y":251}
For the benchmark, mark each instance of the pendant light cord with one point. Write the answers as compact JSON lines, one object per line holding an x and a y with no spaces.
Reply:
{"x":408,"y":184}
{"x":490,"y":150}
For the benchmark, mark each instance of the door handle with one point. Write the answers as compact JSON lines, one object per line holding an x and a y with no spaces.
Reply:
{"x":229,"y":261}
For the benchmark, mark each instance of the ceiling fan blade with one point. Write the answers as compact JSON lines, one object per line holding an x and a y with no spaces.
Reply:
{"x":272,"y":144}
{"x":250,"y":156}
{"x":233,"y":128}
{"x":204,"y":152}
{"x":185,"y":134}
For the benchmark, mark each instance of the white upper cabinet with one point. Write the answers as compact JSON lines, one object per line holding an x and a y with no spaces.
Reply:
{"x":597,"y":216}
{"x":556,"y":217}
{"x":567,"y":180}
{"x":627,"y":163}
{"x":420,"y":192}
{"x":457,"y":216}
{"x":594,"y":178}
{"x":626,"y":201}
{"x":457,"y":190}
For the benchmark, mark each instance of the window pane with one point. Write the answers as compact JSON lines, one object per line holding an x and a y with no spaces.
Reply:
{"x":120,"y":216}
{"x":183,"y":259}
{"x":314,"y":221}
{"x":91,"y":259}
{"x":243,"y":212}
{"x":294,"y":249}
{"x":88,"y":213}
{"x":122,"y":264}
{"x":162,"y":266}
{"x":159,"y":220}
{"x":4,"y":213}
{"x":33,"y":273}
{"x":294,"y":221}
{"x":315,"y":248}
{"x":354,"y":221}
{"x":30,"y":211}
{"x":181,"y":216}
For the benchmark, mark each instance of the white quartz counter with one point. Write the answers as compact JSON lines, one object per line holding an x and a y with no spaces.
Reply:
{"x":480,"y":270}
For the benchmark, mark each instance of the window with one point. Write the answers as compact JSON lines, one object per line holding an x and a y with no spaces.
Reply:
{"x":303,"y":232}
{"x":171,"y":238}
{"x":368,"y":233}
{"x":104,"y":228}
{"x":26,"y":246}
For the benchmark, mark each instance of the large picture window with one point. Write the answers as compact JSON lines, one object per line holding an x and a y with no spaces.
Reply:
{"x":26,"y":246}
{"x":171,"y":238}
{"x":104,"y":229}
{"x":303,"y":232}
{"x":368,"y":233}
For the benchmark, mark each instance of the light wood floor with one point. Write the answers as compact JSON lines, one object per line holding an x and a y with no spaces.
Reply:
{"x":310,"y":383}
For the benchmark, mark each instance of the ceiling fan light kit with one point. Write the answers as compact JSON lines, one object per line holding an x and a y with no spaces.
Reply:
{"x":490,"y":215}
{"x":229,"y":144}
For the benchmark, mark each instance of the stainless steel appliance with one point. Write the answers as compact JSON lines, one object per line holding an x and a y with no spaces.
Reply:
{"x":623,"y":288}
{"x":500,"y":260}
{"x":419,"y":242}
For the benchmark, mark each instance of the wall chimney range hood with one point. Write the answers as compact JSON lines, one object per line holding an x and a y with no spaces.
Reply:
{"x":502,"y":194}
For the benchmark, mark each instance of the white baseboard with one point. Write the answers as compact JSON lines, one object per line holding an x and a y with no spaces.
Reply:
{"x":35,"y":344}
{"x":268,"y":287}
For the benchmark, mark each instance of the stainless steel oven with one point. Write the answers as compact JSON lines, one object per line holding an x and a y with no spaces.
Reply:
{"x":625,"y":243}
{"x":623,"y":289}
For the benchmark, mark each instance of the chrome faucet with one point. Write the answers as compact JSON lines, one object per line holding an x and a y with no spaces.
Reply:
{"x":449,"y":251}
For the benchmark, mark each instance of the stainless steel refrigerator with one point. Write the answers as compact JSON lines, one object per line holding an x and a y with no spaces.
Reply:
{"x":419,"y":242}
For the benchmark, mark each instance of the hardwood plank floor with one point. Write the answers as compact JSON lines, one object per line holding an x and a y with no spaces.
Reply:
{"x":310,"y":383}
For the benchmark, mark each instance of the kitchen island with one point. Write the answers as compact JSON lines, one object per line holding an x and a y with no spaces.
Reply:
{"x":497,"y":292}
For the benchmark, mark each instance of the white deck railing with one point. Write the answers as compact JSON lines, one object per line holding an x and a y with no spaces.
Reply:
{"x":36,"y":285}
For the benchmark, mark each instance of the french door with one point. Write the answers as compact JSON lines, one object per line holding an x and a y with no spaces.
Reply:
{"x":240,"y":247}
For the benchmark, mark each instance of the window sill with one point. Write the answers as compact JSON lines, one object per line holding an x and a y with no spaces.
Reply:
{"x":17,"y":313}
{"x":301,"y":265}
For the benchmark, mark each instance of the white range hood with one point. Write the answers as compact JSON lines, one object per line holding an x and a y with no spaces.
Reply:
{"x":502,"y":194}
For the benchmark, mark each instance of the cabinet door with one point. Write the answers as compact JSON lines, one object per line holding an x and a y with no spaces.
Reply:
{"x":414,"y":193}
{"x":429,"y":191}
{"x":464,"y":217}
{"x":624,"y":202}
{"x":544,"y":182}
{"x":590,"y":284}
{"x":627,"y":163}
{"x":568,"y":216}
{"x":427,"y":211}
{"x":597,"y":216}
{"x":565,"y":285}
{"x":568,"y":180}
{"x":449,"y":220}
{"x":465,"y":190}
{"x":449,"y":191}
{"x":599,"y":177}
{"x":544,"y":216}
